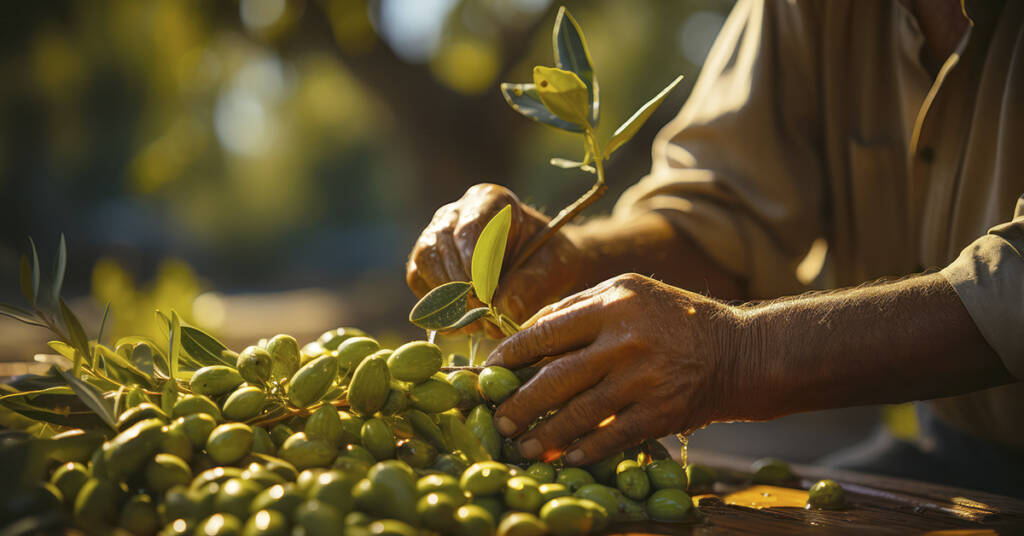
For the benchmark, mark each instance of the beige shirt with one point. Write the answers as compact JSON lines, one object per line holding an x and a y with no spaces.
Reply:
{"x":815,"y":123}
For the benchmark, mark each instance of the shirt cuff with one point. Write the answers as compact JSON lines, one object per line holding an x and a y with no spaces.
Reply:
{"x":989,"y":278}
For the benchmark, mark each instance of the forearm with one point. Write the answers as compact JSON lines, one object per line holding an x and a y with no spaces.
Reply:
{"x":652,"y":246}
{"x":894,"y":342}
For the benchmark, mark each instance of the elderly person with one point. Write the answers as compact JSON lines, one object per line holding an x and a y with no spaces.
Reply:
{"x":893,"y":132}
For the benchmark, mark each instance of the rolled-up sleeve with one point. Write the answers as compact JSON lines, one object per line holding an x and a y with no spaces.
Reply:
{"x":989,"y":278}
{"x":739,"y":169}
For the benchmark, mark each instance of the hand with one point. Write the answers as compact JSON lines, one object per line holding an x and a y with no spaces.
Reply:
{"x":444,"y":252}
{"x":647,"y":353}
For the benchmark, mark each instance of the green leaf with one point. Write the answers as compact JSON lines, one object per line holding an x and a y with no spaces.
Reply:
{"x":442,"y":306}
{"x":159,"y":358}
{"x":141,"y":356}
{"x":60,"y":265}
{"x":19,"y":314}
{"x":203,"y":347}
{"x":571,"y":54}
{"x":79,"y":416}
{"x":489,"y":253}
{"x":103,"y":323}
{"x":173,"y":342}
{"x":524,"y":99}
{"x":563,"y":93}
{"x":471,"y":316}
{"x":76,"y":334}
{"x":632,"y":125}
{"x":118,"y":366}
{"x":168,"y":396}
{"x":90,"y":397}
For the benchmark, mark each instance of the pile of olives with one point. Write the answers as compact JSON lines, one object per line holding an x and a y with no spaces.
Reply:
{"x":343,"y":437}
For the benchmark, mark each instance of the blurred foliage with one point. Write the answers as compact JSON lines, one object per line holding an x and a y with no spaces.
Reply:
{"x":174,"y":288}
{"x":284,"y":143}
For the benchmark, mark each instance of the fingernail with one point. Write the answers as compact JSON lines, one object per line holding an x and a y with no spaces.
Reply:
{"x":530,"y":448}
{"x":574,"y":457}
{"x":506,"y":426}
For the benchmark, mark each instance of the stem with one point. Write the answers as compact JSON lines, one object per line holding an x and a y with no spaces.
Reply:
{"x":571,"y":211}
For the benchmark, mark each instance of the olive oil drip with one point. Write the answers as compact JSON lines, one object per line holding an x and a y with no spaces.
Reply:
{"x":682,"y":453}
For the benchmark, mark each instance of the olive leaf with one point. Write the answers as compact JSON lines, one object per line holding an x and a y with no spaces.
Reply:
{"x":203,"y":347}
{"x":168,"y":396}
{"x":32,"y":292}
{"x":76,"y":335}
{"x":173,"y":342}
{"x":524,"y":99}
{"x":563,"y":93}
{"x":159,"y":358}
{"x":489,"y":253}
{"x":471,"y":316}
{"x":19,"y":314}
{"x":60,"y":265}
{"x":103,"y":323}
{"x":69,"y":412}
{"x":90,"y":397}
{"x":571,"y":54}
{"x":631,"y":126}
{"x":195,"y":346}
{"x":121,"y":368}
{"x":141,"y":355}
{"x":442,"y":306}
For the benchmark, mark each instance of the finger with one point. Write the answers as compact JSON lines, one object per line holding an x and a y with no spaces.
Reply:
{"x":416,"y":283}
{"x":552,"y":386}
{"x":450,"y":258}
{"x":567,"y":302}
{"x":557,"y":333}
{"x":630,"y":426}
{"x":574,"y":420}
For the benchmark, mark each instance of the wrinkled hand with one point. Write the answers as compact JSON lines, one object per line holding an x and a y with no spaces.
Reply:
{"x":444,"y":252}
{"x":648,"y":353}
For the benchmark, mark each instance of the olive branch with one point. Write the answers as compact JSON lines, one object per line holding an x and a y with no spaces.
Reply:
{"x":566,"y":97}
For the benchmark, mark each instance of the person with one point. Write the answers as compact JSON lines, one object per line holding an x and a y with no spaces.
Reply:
{"x":884,"y":133}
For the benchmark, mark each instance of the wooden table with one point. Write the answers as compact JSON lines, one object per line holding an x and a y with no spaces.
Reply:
{"x":878,"y":505}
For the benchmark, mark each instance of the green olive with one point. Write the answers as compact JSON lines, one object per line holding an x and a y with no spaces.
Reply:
{"x":415,"y":361}
{"x":542,"y":472}
{"x":303,"y":452}
{"x":69,"y":479}
{"x":192,"y":404}
{"x":466,"y":383}
{"x":669,"y":504}
{"x":145,"y":410}
{"x":196,"y":427}
{"x":220,"y":525}
{"x":472,"y":520}
{"x":522,"y":524}
{"x":285,"y":356}
{"x":433,"y":396}
{"x":554,"y":490}
{"x":771,"y":471}
{"x":485,"y":478}
{"x":284,"y":498}
{"x":632,"y":480}
{"x":826,"y":495}
{"x":522,"y":493}
{"x":666,"y":474}
{"x":378,"y":437}
{"x":699,"y":477}
{"x":354,"y":350}
{"x":497,"y":384}
{"x":416,"y":452}
{"x":166,"y":471}
{"x":229,"y":442}
{"x":267,"y":523}
{"x":215,"y":380}
{"x":244,"y":403}
{"x":574,"y":478}
{"x":567,"y":516}
{"x":436,"y":511}
{"x":335,"y":488}
{"x":139,"y":516}
{"x":439,"y":483}
{"x":254,"y":364}
{"x":236,"y":496}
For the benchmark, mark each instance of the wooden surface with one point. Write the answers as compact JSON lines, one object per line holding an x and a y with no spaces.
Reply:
{"x":878,"y":505}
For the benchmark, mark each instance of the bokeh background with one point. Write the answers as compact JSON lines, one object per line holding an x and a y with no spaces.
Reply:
{"x":264,"y":166}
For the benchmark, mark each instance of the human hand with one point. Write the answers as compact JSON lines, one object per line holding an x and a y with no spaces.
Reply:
{"x":444,"y":252}
{"x":649,"y":354}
